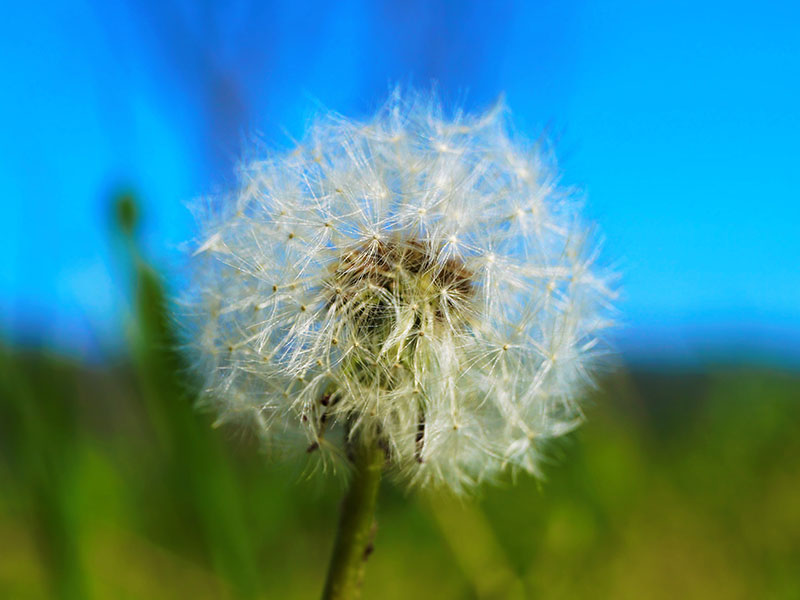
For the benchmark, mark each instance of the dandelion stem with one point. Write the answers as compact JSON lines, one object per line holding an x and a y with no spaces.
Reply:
{"x":353,"y":543}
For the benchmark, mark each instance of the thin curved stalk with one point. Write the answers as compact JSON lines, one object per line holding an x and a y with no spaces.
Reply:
{"x":356,"y":531}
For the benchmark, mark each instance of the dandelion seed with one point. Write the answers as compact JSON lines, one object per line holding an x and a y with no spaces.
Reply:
{"x":450,"y":305}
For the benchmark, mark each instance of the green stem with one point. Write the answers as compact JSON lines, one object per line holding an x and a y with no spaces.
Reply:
{"x":356,"y":526}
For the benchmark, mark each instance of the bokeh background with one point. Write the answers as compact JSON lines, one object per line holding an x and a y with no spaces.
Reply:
{"x":678,"y":120}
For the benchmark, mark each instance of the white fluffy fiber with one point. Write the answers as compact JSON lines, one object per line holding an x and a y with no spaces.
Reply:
{"x":457,"y":380}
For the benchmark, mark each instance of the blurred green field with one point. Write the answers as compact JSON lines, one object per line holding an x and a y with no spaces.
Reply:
{"x":680,"y":485}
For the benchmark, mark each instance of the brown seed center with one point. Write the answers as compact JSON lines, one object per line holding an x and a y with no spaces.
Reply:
{"x":374,"y":279}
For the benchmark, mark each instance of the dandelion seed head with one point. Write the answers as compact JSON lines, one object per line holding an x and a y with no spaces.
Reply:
{"x":414,"y":281}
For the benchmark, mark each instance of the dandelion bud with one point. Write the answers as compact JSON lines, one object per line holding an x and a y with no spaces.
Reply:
{"x":413,"y":281}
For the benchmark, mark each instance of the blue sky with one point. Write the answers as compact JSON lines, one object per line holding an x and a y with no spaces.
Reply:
{"x":679,"y":120}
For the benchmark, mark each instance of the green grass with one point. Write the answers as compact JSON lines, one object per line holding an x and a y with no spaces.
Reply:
{"x":679,"y":485}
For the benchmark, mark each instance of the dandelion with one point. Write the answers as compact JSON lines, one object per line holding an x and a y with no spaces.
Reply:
{"x":413,"y":294}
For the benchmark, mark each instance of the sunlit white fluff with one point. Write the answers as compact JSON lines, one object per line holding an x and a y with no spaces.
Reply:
{"x":415,"y":281}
